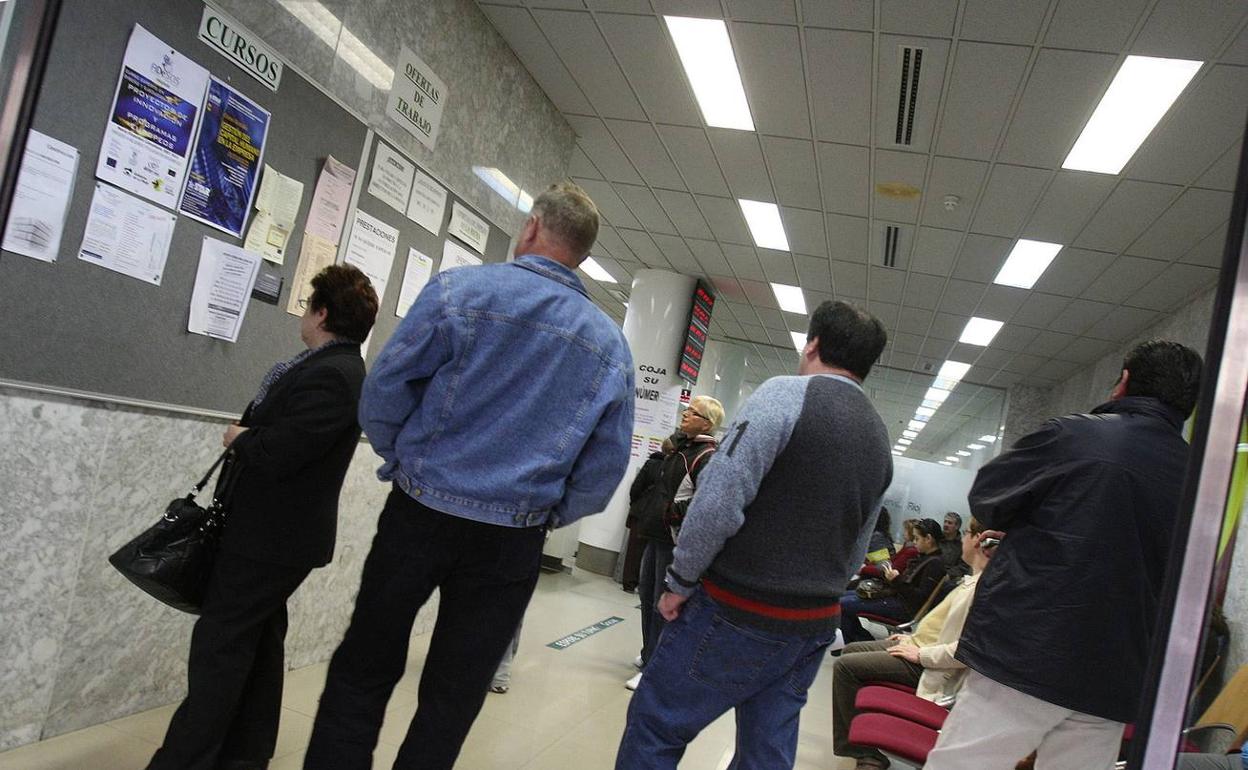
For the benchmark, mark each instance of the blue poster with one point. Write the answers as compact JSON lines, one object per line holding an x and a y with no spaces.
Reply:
{"x":225,"y":164}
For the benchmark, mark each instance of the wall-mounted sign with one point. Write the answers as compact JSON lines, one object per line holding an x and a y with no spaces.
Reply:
{"x":416,"y":98}
{"x":468,"y":227}
{"x":695,"y":340}
{"x":233,"y":41}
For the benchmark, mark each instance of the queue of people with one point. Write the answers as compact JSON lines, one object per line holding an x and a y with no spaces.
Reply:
{"x":749,"y":539}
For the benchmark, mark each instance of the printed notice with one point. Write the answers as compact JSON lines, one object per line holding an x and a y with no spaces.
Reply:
{"x":223,"y":284}
{"x":391,"y":181}
{"x":371,"y":249}
{"x":428,"y":202}
{"x":315,"y":255}
{"x":330,"y":200}
{"x":416,"y":98}
{"x":415,"y":276}
{"x":44,"y":186}
{"x":454,"y":255}
{"x":126,"y":235}
{"x":277,"y":205}
{"x":468,"y":227}
{"x":156,"y":106}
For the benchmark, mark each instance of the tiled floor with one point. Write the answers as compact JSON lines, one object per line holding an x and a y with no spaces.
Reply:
{"x":565,"y":710}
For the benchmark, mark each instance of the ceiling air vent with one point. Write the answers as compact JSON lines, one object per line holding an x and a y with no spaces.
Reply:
{"x":908,"y":94}
{"x":891,"y":236}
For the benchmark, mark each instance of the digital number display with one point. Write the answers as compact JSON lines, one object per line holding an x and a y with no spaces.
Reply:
{"x":695,"y":339}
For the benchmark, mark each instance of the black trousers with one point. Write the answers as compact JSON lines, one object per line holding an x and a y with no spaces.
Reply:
{"x":486,"y":575}
{"x":237,"y":662}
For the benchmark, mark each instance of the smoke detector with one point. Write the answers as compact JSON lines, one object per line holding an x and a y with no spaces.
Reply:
{"x":951,"y":202}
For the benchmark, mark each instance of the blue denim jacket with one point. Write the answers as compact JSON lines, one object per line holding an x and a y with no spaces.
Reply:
{"x":504,"y":396}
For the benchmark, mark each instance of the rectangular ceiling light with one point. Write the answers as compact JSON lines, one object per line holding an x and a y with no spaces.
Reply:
{"x":974,"y":446}
{"x":706,"y":54}
{"x":1138,"y":97}
{"x":953,"y":458}
{"x":980,"y":331}
{"x":930,"y":404}
{"x":1027,"y":262}
{"x":945,"y":462}
{"x":907,"y":433}
{"x":596,"y":271}
{"x":924,"y":412}
{"x":962,"y":453}
{"x":790,"y":298}
{"x":904,"y":441}
{"x":916,"y":426}
{"x":799,"y":340}
{"x":765,"y":225}
{"x":988,"y":439}
{"x":897,"y":453}
{"x":952,"y":371}
{"x":936,"y":394}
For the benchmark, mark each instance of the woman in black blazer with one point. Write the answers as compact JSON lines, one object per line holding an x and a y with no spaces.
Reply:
{"x":291,"y":451}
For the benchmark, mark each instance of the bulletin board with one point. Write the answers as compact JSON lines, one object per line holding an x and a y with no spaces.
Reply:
{"x":73,"y":326}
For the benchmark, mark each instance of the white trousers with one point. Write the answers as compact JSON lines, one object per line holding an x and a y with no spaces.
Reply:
{"x":992,"y":727}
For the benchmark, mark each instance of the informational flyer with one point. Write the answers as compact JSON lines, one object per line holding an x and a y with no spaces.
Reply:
{"x":315,"y":255}
{"x":468,"y":227}
{"x":126,"y":235}
{"x":454,"y":255}
{"x":223,"y":284}
{"x":225,"y":164}
{"x":44,"y":187}
{"x":415,"y":276}
{"x":147,"y":143}
{"x":277,"y":206}
{"x":330,"y":200}
{"x":391,"y":181}
{"x":427,"y":204}
{"x":371,"y":248}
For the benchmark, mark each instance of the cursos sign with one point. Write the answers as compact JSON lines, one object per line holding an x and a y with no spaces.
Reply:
{"x":233,"y":41}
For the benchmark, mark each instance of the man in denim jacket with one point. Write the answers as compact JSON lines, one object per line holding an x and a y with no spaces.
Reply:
{"x":502,"y":407}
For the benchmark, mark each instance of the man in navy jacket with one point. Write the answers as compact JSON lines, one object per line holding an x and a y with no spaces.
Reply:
{"x":1058,"y":637}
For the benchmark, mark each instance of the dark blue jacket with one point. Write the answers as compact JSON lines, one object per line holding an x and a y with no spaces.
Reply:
{"x":1065,"y":610}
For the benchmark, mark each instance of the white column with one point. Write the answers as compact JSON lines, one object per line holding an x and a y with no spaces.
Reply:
{"x":729,"y":376}
{"x":655,"y":326}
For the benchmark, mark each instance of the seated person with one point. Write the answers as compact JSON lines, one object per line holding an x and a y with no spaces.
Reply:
{"x":906,"y":591}
{"x":924,"y":661}
{"x":901,"y":559}
{"x":951,"y":547}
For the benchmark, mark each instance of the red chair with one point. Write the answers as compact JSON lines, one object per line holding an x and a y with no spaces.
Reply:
{"x":896,"y":738}
{"x":884,"y":700}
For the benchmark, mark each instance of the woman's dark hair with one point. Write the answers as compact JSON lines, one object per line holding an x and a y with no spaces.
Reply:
{"x":349,"y":301}
{"x":929,"y":527}
{"x":849,"y":337}
{"x":885,"y":522}
{"x":1166,"y":371}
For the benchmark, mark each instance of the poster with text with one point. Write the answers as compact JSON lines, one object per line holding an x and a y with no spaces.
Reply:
{"x":147,"y":142}
{"x":225,"y":164}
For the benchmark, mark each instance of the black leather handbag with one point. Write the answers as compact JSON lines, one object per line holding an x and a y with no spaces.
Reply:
{"x":172,"y":559}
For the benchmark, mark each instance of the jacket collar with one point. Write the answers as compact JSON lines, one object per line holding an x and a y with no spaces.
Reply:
{"x":1145,"y":405}
{"x":551,"y":269}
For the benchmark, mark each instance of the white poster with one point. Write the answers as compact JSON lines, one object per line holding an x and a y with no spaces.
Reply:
{"x":330,"y":200}
{"x":468,"y":227}
{"x":415,"y":276}
{"x":44,"y":187}
{"x":126,"y":235}
{"x":151,"y":127}
{"x":454,"y":255}
{"x":223,"y":284}
{"x":416,"y":98}
{"x":391,"y":181}
{"x":427,"y":203}
{"x":277,"y":206}
{"x":371,"y":249}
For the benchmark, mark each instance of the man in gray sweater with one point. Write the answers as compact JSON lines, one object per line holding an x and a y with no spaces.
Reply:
{"x":781,"y":518}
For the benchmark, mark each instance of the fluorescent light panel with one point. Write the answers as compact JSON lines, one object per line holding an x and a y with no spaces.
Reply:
{"x":924,"y":412}
{"x":936,"y":394}
{"x":953,"y":458}
{"x":897,"y":453}
{"x":980,"y":331}
{"x":950,"y":374}
{"x":1138,"y":97}
{"x":596,"y":271}
{"x":706,"y":54}
{"x":799,"y":340}
{"x":916,"y":426}
{"x":765,"y":225}
{"x":907,"y":433}
{"x":1027,"y":262}
{"x":904,"y":441}
{"x":962,"y":453}
{"x":945,"y":462}
{"x":975,"y":446}
{"x":930,"y":404}
{"x":988,"y":439}
{"x":790,"y":298}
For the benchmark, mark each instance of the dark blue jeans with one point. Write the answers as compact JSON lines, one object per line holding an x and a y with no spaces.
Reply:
{"x":704,"y":665}
{"x":654,"y":563}
{"x":852,"y":605}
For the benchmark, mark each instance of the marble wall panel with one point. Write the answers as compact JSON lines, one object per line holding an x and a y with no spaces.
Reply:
{"x":312,"y":52}
{"x":49,"y":456}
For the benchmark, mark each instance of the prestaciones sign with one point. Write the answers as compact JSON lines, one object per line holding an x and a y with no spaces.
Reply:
{"x":233,"y":41}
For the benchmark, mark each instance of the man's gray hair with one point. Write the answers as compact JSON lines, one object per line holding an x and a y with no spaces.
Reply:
{"x":567,"y":211}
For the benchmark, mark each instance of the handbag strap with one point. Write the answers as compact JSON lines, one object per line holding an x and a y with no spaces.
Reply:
{"x":204,"y":481}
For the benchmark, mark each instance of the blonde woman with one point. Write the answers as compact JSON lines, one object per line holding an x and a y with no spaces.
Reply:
{"x":660,"y":521}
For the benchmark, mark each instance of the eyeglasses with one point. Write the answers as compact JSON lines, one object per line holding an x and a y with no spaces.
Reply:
{"x":695,"y":413}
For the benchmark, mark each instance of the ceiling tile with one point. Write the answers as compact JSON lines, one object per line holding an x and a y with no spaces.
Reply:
{"x":640,"y":44}
{"x":710,"y":9}
{"x":1122,"y":323}
{"x":805,"y":231}
{"x":602,"y":149}
{"x":814,"y":272}
{"x":1209,"y":251}
{"x":848,"y":238}
{"x":575,"y":37}
{"x":793,"y":171}
{"x":625,"y":6}
{"x":724,"y":217}
{"x":642,"y":146}
{"x":772,"y":11}
{"x":931,"y":82}
{"x":935,"y":250}
{"x":1131,"y":207}
{"x":1193,"y":216}
{"x":744,"y":261}
{"x":899,"y":167}
{"x":770,"y":55}
{"x":675,"y":251}
{"x":906,"y":343}
{"x":1069,"y":202}
{"x":778,"y":266}
{"x":1002,"y":21}
{"x":1093,"y":25}
{"x":879,"y":239}
{"x":644,"y":247}
{"x":844,"y":14}
{"x":581,"y":166}
{"x":1014,"y":338}
{"x":933,"y":17}
{"x":1221,"y":175}
{"x":1011,"y":193}
{"x":710,"y":256}
{"x":985,"y":79}
{"x":773,"y":320}
{"x":761,"y":297}
{"x":1039,"y":310}
{"x":616,"y":270}
{"x":924,"y":290}
{"x":849,"y":279}
{"x":1079,"y":315}
{"x":1049,"y":343}
{"x":1085,"y":350}
{"x":1072,"y":271}
{"x":951,"y":176}
{"x":525,"y":38}
{"x":1177,"y":284}
{"x":845,"y":172}
{"x":1061,"y":93}
{"x":609,"y":203}
{"x":610,"y":240}
{"x":914,"y":320}
{"x":647,"y":210}
{"x":885,"y":311}
{"x":839,"y":70}
{"x":1187,"y":29}
{"x":887,"y":285}
{"x":741,"y":160}
{"x":684,"y":213}
{"x":948,"y":326}
{"x":936,"y":348}
{"x":961,"y":298}
{"x":982,"y":257}
{"x":693,"y":156}
{"x":1000,"y":302}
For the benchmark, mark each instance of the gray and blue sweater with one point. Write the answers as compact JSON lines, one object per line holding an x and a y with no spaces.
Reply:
{"x":785,"y":508}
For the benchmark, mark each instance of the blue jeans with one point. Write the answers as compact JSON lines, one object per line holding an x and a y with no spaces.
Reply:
{"x":852,"y":604}
{"x":704,"y":665}
{"x":650,"y":586}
